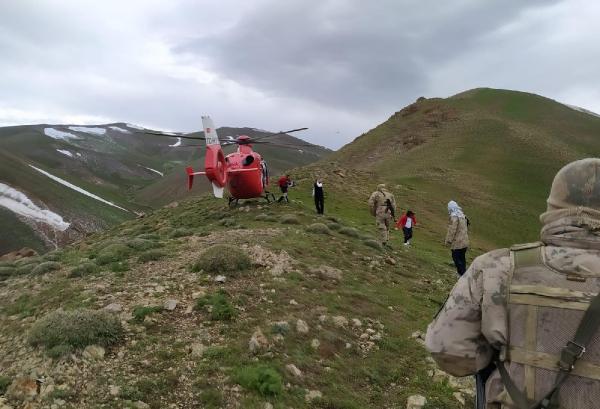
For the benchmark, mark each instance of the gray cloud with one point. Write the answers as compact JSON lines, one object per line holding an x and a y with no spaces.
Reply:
{"x":337,"y":66}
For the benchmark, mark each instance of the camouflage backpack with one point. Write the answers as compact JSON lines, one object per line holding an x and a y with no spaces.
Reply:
{"x":553,"y":350}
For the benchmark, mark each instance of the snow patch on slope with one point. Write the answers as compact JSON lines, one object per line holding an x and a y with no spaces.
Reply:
{"x":76,"y":188}
{"x":90,"y":130}
{"x":20,"y":204}
{"x":154,"y":170}
{"x":59,"y":135}
{"x":176,"y":144}
{"x":132,"y":126}
{"x":119,"y":129}
{"x":65,"y":152}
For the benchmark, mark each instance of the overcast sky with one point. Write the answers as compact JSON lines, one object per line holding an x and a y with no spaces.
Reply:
{"x":339,"y":67}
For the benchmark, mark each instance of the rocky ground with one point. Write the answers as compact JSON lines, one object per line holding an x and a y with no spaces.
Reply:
{"x":319,"y":318}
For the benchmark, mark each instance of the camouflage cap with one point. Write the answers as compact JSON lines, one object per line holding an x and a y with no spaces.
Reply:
{"x":576,"y":184}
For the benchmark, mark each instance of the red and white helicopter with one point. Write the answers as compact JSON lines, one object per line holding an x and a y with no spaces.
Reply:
{"x":244,"y":172}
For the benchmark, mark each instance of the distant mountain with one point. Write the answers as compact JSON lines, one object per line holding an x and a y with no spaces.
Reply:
{"x":59,"y":182}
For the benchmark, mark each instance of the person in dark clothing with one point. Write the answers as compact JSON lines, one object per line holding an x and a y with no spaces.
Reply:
{"x":459,"y":256}
{"x":284,"y":183}
{"x":319,"y":196}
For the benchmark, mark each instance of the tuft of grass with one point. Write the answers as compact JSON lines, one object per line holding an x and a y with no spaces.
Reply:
{"x":53,"y":256}
{"x":59,"y":351}
{"x":45,"y":267}
{"x":140,"y":312}
{"x":180,"y":232}
{"x":260,"y":378}
{"x":319,"y":228}
{"x":25,"y":269}
{"x":227,"y":222}
{"x":76,"y":329}
{"x":149,"y":236}
{"x":84,"y":269}
{"x":119,"y":266}
{"x":28,"y":260}
{"x":142,"y":244}
{"x":265,"y":218}
{"x":211,"y":398}
{"x":5,"y":382}
{"x":113,"y":253}
{"x":373,"y":243}
{"x":152,"y":255}
{"x":220,"y":308}
{"x":223,"y":258}
{"x":350,"y":231}
{"x":7,"y":271}
{"x":289,"y":219}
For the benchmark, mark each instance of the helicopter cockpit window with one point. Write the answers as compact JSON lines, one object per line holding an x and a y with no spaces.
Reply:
{"x":248,"y":160}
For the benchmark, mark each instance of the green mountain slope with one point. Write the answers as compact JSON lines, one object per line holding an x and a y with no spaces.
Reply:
{"x":116,"y":162}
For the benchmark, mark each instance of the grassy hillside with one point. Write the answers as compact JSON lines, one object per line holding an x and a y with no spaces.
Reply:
{"x":493,"y":151}
{"x":310,"y":311}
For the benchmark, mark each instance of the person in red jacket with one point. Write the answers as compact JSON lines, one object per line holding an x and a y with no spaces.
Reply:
{"x":407,"y":222}
{"x":284,"y":182}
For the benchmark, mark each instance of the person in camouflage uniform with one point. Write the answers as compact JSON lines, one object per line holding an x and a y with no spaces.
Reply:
{"x":457,"y":236}
{"x":520,"y":307}
{"x":384,"y":213}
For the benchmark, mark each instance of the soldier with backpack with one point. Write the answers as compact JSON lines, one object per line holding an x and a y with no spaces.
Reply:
{"x":383,"y":206}
{"x":529,"y":316}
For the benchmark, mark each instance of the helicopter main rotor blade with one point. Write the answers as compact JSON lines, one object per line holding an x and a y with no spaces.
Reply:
{"x":172,"y":135}
{"x":278,"y":133}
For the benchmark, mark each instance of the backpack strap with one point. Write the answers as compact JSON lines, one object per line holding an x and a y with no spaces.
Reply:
{"x":531,"y":256}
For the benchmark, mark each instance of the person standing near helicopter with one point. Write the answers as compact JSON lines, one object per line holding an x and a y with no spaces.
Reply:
{"x":319,"y":196}
{"x":284,"y":183}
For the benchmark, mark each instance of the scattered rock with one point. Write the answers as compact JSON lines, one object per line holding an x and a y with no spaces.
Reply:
{"x":322,"y":318}
{"x":356,"y":323}
{"x":416,"y":402}
{"x":93,"y":353}
{"x":268,"y":406}
{"x":302,"y":327}
{"x":312,"y":395}
{"x":315,"y":344}
{"x":141,"y":405}
{"x":258,"y":341}
{"x":114,"y":390}
{"x":340,"y":321}
{"x":390,"y":260}
{"x":293,"y":302}
{"x":170,"y":305}
{"x":327,"y":272}
{"x":459,"y":397}
{"x":198,"y":294}
{"x":22,"y":389}
{"x":293,"y":370}
{"x":220,"y":279}
{"x":114,"y":307}
{"x":278,"y":338}
{"x":419,"y":337}
{"x":197,"y":350}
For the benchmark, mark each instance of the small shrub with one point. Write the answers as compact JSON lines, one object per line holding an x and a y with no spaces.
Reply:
{"x":7,"y":264}
{"x":53,"y":256}
{"x":373,"y":243}
{"x":28,"y":260}
{"x":180,"y":232}
{"x":59,"y":351}
{"x":350,"y":231}
{"x":221,"y":309}
{"x":6,"y":272}
{"x":265,"y":218}
{"x":260,"y":378}
{"x":76,"y":329}
{"x":5,"y":382}
{"x":149,"y":236}
{"x":129,"y":392}
{"x":211,"y":398}
{"x":333,"y":219}
{"x":142,"y":244}
{"x":45,"y":267}
{"x":289,"y":219}
{"x":222,"y":258}
{"x":26,"y":269}
{"x":119,"y":266}
{"x":227,"y":222}
{"x":151,"y":255}
{"x":84,"y":269}
{"x":112,"y":253}
{"x":318,"y":228}
{"x":140,"y":312}
{"x":334,"y":226}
